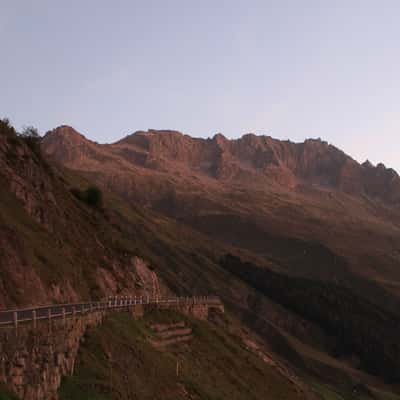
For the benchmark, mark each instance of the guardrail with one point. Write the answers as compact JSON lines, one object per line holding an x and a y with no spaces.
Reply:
{"x":34,"y":314}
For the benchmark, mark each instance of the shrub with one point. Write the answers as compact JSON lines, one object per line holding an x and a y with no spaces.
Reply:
{"x":94,"y":196}
{"x":6,"y":128}
{"x":29,"y":132}
{"x":31,"y":137}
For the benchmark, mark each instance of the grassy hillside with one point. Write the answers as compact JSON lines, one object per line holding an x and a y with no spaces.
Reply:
{"x":116,"y":361}
{"x":358,"y":326}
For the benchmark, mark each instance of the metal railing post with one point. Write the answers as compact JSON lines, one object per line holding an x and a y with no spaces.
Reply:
{"x":15,"y":318}
{"x":49,"y":317}
{"x":34,"y":318}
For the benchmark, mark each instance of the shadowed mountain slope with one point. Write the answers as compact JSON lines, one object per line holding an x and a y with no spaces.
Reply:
{"x":306,"y":208}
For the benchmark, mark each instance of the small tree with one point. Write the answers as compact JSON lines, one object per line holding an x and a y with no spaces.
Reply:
{"x":29,"y":132}
{"x":6,"y":128}
{"x":31,"y":137}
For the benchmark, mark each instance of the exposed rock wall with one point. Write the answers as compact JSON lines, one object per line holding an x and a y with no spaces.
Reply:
{"x":251,"y":157}
{"x":33,"y":361}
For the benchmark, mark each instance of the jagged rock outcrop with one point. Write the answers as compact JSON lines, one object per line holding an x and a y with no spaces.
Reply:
{"x":289,"y":164}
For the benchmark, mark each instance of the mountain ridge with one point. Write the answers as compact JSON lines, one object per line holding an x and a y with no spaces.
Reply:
{"x":313,"y":162}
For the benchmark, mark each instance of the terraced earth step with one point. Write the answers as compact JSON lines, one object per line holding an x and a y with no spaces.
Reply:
{"x":174,"y":333}
{"x":159,"y":344}
{"x":166,"y":327}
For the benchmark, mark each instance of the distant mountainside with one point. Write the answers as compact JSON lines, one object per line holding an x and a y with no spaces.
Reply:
{"x":251,"y":157}
{"x":299,"y":207}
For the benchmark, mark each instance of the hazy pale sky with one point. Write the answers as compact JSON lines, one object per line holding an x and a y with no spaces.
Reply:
{"x":290,"y":69}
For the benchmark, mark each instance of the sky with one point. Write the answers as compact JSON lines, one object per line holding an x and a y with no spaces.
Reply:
{"x":289,"y":69}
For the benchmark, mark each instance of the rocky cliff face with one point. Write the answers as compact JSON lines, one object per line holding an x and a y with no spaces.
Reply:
{"x":288,"y":164}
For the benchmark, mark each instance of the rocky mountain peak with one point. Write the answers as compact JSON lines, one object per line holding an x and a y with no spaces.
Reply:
{"x":237,"y":161}
{"x":219,"y":138}
{"x":66,"y":144}
{"x":65,"y":132}
{"x":367,"y":164}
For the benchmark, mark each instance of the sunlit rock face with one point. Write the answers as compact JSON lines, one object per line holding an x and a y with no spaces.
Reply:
{"x":251,"y":157}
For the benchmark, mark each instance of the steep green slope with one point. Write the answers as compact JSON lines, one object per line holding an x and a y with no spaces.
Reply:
{"x":358,"y":326}
{"x":117,"y":361}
